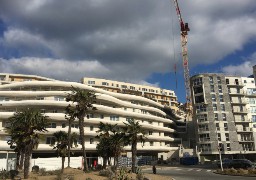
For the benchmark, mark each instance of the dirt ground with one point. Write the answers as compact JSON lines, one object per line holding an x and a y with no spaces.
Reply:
{"x":79,"y":174}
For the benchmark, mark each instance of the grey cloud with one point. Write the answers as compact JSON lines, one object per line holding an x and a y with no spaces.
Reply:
{"x":131,"y":39}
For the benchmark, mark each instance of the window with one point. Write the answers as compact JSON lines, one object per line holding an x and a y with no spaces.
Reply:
{"x":200,"y":108}
{"x":220,"y":88}
{"x":151,"y":143}
{"x":224,"y":116}
{"x":221,"y":98}
{"x":101,"y":116}
{"x":217,"y":126}
{"x":227,"y":136}
{"x":202,"y":117}
{"x":150,"y":132}
{"x":59,"y":98}
{"x":213,"y":98}
{"x":197,"y":81}
{"x":63,"y":125}
{"x":91,"y":140}
{"x":222,"y":107}
{"x":218,"y":80}
{"x":228,"y":147}
{"x":229,"y":91}
{"x":74,"y":126}
{"x":90,"y":116}
{"x":91,"y":82}
{"x":52,"y":125}
{"x":216,"y":117}
{"x":214,"y":106}
{"x":227,"y":81}
{"x":123,"y":86}
{"x":242,"y":118}
{"x":50,"y":140}
{"x":253,"y":118}
{"x":238,"y":90}
{"x":117,"y":85}
{"x":253,"y":109}
{"x":236,"y":82}
{"x":219,"y":137}
{"x":104,"y":83}
{"x":225,"y":126}
{"x":91,"y":128}
{"x":252,"y":81}
{"x":211,"y":79}
{"x":159,"y":134}
{"x":212,"y":88}
{"x":114,"y":118}
{"x":132,"y":87}
{"x":241,"y":108}
{"x":245,"y":81}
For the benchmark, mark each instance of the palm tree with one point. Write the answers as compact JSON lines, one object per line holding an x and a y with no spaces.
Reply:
{"x":70,"y":117}
{"x":83,"y":101}
{"x":61,"y":144}
{"x":113,"y":137}
{"x":24,"y":128}
{"x":134,"y":134}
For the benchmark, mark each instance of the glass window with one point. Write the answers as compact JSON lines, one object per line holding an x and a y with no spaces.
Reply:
{"x":220,"y":88}
{"x":151,"y":143}
{"x":242,"y":117}
{"x":214,"y":107}
{"x":91,"y":140}
{"x":227,"y":81}
{"x":217,"y":126}
{"x":219,"y":137}
{"x":91,"y":128}
{"x":104,"y":83}
{"x":63,"y":125}
{"x":218,"y":80}
{"x":150,"y":132}
{"x":253,"y":118}
{"x":211,"y":79}
{"x":216,"y":116}
{"x":213,"y":98}
{"x":91,"y":82}
{"x":224,"y":116}
{"x":222,"y":107}
{"x":245,"y":81}
{"x":227,"y":136}
{"x":114,"y":118}
{"x":225,"y":126}
{"x":221,"y":98}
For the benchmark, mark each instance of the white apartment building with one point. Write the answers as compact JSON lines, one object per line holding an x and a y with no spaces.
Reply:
{"x":162,"y":96}
{"x":223,"y":111}
{"x":22,"y":91}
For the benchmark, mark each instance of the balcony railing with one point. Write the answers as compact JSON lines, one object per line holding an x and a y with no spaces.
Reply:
{"x":245,"y":129}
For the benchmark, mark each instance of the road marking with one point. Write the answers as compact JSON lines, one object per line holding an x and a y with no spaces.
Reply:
{"x":208,"y":170}
{"x":199,"y":170}
{"x":190,"y":169}
{"x":178,"y":169}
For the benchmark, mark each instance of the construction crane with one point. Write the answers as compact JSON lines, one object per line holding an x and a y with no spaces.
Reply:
{"x":184,"y":33}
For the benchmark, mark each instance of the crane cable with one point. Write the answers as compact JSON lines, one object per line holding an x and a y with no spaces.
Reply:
{"x":174,"y":54}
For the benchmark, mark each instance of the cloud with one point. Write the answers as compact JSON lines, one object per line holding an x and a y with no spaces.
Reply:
{"x":243,"y":69}
{"x":125,"y":40}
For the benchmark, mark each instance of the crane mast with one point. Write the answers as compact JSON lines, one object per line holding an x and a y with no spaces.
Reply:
{"x":184,"y":32}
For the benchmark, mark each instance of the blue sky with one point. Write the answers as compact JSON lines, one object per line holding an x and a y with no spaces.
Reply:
{"x":134,"y":41}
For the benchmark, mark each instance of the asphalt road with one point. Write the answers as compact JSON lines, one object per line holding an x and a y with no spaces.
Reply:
{"x":193,"y":173}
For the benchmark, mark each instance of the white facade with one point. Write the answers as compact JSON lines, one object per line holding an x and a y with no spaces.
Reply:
{"x":113,"y":108}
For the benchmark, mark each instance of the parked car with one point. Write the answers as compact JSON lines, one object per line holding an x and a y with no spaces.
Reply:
{"x":240,"y":163}
{"x":236,"y":163}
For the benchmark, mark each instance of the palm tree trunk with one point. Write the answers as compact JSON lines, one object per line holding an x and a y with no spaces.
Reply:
{"x":134,"y":154}
{"x":81,"y":128}
{"x":18,"y":160}
{"x":69,"y":139}
{"x":63,"y":161}
{"x":28,"y":153}
{"x":104,"y":162}
{"x":22,"y":160}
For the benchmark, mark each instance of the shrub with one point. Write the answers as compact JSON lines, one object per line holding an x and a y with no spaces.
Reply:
{"x":13,"y":173}
{"x":35,"y":169}
{"x":122,"y":174}
{"x":252,"y":171}
{"x":242,"y":171}
{"x":232,"y":171}
{"x":139,"y":174}
{"x":4,"y":174}
{"x":42,"y":172}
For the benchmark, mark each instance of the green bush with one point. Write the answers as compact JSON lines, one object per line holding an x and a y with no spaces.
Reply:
{"x":252,"y":171}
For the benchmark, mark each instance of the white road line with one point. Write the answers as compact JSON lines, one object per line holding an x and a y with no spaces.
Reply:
{"x":178,"y":169}
{"x":199,"y":170}
{"x":208,"y":170}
